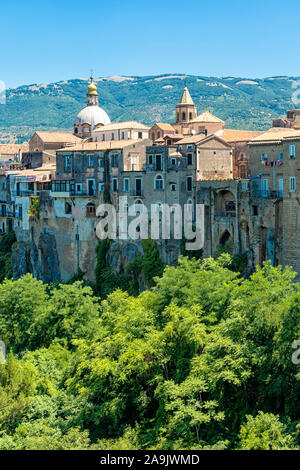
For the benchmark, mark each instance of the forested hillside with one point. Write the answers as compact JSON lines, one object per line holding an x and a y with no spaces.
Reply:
{"x":201,"y":360}
{"x":241,"y":102}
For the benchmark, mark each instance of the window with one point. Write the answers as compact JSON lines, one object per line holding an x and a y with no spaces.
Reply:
{"x":103,"y":137}
{"x":189,"y":147}
{"x":190,"y":116}
{"x":189,"y":205}
{"x":280,"y":187}
{"x":114,"y":161}
{"x":113,"y":136}
{"x":292,"y":150}
{"x":78,"y":188}
{"x":115,"y":184}
{"x":158,"y":207}
{"x":173,"y":187}
{"x":264,"y":187}
{"x":158,"y":163}
{"x":140,"y":135}
{"x":123,"y":135}
{"x":183,"y":116}
{"x":158,"y":182}
{"x":292,"y":184}
{"x":243,"y":170}
{"x":158,"y":135}
{"x":244,"y":186}
{"x":101,"y":163}
{"x":126,"y":185}
{"x":101,"y":187}
{"x":20,"y":212}
{"x":264,"y":157}
{"x":150,"y":159}
{"x":255,"y":210}
{"x":189,"y":183}
{"x":67,"y":163}
{"x":68,"y":208}
{"x":173,"y":161}
{"x":189,"y":158}
{"x":138,"y":206}
{"x":91,"y":161}
{"x":138,"y":187}
{"x":91,"y":187}
{"x":90,"y":210}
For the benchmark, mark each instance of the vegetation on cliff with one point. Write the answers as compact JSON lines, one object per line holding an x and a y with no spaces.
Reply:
{"x":6,"y":243}
{"x":202,"y":360}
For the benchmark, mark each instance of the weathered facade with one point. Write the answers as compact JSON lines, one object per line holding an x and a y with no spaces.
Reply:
{"x":246,"y":181}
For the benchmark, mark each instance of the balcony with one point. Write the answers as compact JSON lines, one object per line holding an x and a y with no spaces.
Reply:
{"x":23,"y":193}
{"x":268,"y":194}
{"x":137,"y":193}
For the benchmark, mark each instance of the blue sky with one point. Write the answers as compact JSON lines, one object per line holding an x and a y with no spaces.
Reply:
{"x":43,"y":42}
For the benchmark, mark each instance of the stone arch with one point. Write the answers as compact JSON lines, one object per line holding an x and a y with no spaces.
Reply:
{"x":225,"y":203}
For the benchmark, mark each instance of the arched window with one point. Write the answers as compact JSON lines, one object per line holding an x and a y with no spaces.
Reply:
{"x":158,"y":207}
{"x":189,"y":205}
{"x":158,"y":182}
{"x":90,"y":210}
{"x":139,"y":206}
{"x":183,"y":116}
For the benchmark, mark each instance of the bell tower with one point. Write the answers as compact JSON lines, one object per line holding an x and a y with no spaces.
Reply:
{"x":92,"y":97}
{"x":186,"y":110}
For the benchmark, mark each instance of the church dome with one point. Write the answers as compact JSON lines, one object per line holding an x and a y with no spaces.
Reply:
{"x":92,"y":115}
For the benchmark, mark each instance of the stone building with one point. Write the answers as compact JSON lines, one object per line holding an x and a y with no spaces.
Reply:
{"x":130,"y":130}
{"x":246,"y":180}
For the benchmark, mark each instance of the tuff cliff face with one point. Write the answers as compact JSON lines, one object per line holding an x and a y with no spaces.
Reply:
{"x":42,"y":260}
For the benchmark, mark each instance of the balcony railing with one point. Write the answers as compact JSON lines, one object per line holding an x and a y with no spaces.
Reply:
{"x":268,"y":194}
{"x":137,"y":193}
{"x":23,"y":193}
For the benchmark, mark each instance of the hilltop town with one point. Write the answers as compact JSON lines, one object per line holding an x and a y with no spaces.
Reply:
{"x":51,"y":187}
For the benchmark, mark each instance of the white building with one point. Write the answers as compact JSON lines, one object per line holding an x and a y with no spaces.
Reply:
{"x":130,"y":130}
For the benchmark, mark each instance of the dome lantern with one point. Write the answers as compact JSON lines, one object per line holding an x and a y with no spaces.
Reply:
{"x":92,"y":115}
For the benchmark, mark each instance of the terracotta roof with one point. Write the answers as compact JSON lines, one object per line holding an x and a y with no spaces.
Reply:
{"x":192,"y":139}
{"x":277,"y":134}
{"x":207,"y":117}
{"x":44,"y":170}
{"x":201,"y":138}
{"x":63,"y":137}
{"x":232,"y":135}
{"x":107,"y":145}
{"x":13,"y":149}
{"x":122,"y":125}
{"x":165,"y":126}
{"x":173,"y":136}
{"x":186,"y":97}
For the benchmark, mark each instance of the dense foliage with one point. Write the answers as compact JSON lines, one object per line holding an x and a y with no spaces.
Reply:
{"x":202,"y":360}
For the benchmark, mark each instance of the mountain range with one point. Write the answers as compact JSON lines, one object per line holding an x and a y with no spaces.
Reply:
{"x":244,"y":103}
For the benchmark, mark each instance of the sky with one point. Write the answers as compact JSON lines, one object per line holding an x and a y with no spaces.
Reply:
{"x":45,"y":42}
